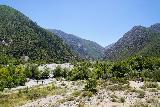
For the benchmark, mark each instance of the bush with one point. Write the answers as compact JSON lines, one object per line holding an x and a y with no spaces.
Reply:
{"x":141,"y":94}
{"x":117,"y":87}
{"x":91,"y":85}
{"x":36,"y":93}
{"x":76,"y":93}
{"x":152,"y":101}
{"x":32,"y":71}
{"x":12,"y":76}
{"x":120,"y":70}
{"x":119,"y":80}
{"x":2,"y":85}
{"x":87,"y":93}
{"x":150,"y":84}
{"x":140,"y":104}
{"x":156,"y":75}
{"x":66,"y":73}
{"x":122,"y":100}
{"x":58,"y":72}
{"x":114,"y":98}
{"x":80,"y":73}
{"x":45,"y":74}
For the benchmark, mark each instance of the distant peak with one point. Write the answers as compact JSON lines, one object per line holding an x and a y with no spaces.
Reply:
{"x":155,"y":27}
{"x":138,"y":27}
{"x":156,"y":24}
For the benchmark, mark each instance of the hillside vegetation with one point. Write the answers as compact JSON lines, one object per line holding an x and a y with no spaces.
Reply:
{"x":30,"y":77}
{"x":20,"y":36}
{"x":84,"y":48}
{"x":138,"y":41}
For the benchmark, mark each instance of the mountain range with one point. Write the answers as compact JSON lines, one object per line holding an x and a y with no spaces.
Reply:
{"x":84,"y":48}
{"x":20,"y":36}
{"x":138,"y":41}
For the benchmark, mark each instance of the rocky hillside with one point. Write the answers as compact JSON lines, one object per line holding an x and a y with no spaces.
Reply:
{"x":20,"y":36}
{"x":109,"y":46}
{"x":84,"y":48}
{"x":138,"y":41}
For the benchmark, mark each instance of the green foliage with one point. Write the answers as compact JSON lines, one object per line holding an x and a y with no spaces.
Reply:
{"x":58,"y":72}
{"x":24,"y":95}
{"x":12,"y":76}
{"x":80,"y":73}
{"x":19,"y":37}
{"x":150,"y":84}
{"x":76,"y":93}
{"x":32,"y":71}
{"x":156,"y":75}
{"x":84,"y":48}
{"x":91,"y":85}
{"x":141,"y":94}
{"x":118,"y":87}
{"x":139,"y":41}
{"x":115,"y":80}
{"x":45,"y":73}
{"x":15,"y":75}
{"x":119,"y":70}
{"x":143,"y":67}
{"x":87,"y":93}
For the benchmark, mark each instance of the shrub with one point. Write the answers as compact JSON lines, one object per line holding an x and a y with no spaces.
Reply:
{"x":141,"y":94}
{"x":119,"y":70}
{"x":152,"y":100}
{"x":45,"y":73}
{"x":33,"y":72}
{"x":66,"y":73}
{"x":11,"y":76}
{"x":150,"y":84}
{"x":117,"y":87}
{"x":36,"y":93}
{"x":58,"y":72}
{"x":139,"y":104}
{"x":156,"y":75}
{"x":91,"y":85}
{"x":119,"y":80}
{"x":122,"y":100}
{"x":2,"y":85}
{"x":153,"y":90}
{"x":76,"y":93}
{"x":36,"y":74}
{"x":114,"y":98}
{"x":80,"y":73}
{"x":87,"y":93}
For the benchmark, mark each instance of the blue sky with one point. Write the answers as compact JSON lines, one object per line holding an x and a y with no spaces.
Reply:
{"x":103,"y":21}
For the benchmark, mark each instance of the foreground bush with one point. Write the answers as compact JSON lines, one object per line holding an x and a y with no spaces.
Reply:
{"x":12,"y":76}
{"x":91,"y":85}
{"x":150,"y":84}
{"x":80,"y":73}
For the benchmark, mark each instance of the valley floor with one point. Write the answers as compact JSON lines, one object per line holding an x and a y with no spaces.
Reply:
{"x":74,"y":96}
{"x":71,"y":94}
{"x":57,"y":92}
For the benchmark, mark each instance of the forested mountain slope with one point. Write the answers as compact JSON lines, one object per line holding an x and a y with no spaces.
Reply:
{"x":20,"y":36}
{"x":84,"y":48}
{"x":138,"y":41}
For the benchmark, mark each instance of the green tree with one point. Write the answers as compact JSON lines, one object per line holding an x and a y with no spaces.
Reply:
{"x":45,"y":73}
{"x":58,"y":72}
{"x":120,"y":69}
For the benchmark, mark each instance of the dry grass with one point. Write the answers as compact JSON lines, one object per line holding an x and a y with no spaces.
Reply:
{"x":26,"y":95}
